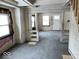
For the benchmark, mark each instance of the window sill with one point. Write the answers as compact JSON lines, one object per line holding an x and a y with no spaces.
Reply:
{"x":5,"y":36}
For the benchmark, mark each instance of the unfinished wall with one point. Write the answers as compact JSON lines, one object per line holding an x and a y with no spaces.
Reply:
{"x":14,"y":23}
{"x":40,"y":23}
{"x":74,"y":36}
{"x":26,"y":22}
{"x":22,"y":16}
{"x":66,"y":19}
{"x":51,"y":10}
{"x":9,"y":44}
{"x":48,"y":10}
{"x":50,"y":27}
{"x":19,"y":20}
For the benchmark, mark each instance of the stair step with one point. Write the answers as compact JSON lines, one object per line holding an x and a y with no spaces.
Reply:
{"x":34,"y":39}
{"x":33,"y":31}
{"x":32,"y":43}
{"x":33,"y":34}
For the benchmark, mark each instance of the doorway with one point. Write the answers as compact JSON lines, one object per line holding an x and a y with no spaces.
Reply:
{"x":56,"y":22}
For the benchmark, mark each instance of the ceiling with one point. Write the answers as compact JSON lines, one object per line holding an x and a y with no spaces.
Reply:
{"x":40,"y":2}
{"x":21,"y":3}
{"x":25,"y":2}
{"x":47,"y":2}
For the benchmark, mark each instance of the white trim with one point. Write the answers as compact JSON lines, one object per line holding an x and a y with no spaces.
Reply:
{"x":28,"y":3}
{"x":71,"y":54}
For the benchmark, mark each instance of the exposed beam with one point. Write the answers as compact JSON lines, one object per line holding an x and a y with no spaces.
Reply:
{"x":27,"y":2}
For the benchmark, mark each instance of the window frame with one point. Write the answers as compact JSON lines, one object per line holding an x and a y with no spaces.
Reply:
{"x":42,"y":21}
{"x":34,"y":20}
{"x":10,"y":24}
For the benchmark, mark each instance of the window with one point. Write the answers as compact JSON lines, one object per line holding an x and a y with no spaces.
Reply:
{"x":45,"y":20}
{"x":33,"y":21}
{"x":4,"y":25}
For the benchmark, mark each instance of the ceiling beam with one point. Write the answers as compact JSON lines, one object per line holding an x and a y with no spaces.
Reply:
{"x":27,"y":2}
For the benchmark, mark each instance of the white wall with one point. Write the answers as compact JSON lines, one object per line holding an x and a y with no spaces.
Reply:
{"x":51,"y":10}
{"x":27,"y":22}
{"x":66,"y":18}
{"x":74,"y":36}
{"x":22,"y":21}
{"x":57,"y":24}
{"x":48,"y":10}
{"x":48,"y":28}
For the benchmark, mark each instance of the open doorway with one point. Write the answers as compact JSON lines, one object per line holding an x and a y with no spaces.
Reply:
{"x":56,"y":22}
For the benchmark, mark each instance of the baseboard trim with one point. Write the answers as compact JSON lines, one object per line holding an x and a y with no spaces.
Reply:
{"x":71,"y":54}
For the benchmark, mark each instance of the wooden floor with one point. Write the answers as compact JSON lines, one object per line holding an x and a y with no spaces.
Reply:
{"x":49,"y":47}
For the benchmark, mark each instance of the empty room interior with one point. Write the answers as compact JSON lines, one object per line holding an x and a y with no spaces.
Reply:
{"x":39,"y":29}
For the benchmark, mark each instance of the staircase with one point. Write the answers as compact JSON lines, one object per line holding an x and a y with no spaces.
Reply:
{"x":34,"y":34}
{"x":33,"y":37}
{"x":75,"y":5}
{"x":64,"y":37}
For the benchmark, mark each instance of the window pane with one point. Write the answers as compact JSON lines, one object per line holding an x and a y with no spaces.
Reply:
{"x":3,"y":19}
{"x":4,"y":30}
{"x":45,"y":20}
{"x":32,"y":24}
{"x":57,"y":17}
{"x":33,"y":21}
{"x":33,"y":18}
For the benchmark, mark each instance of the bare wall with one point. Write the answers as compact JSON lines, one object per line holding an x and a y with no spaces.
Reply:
{"x":48,"y":28}
{"x":74,"y":36}
{"x":51,"y":10}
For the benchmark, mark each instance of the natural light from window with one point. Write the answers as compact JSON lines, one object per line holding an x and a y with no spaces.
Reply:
{"x":33,"y":21}
{"x":4,"y":25}
{"x":45,"y":20}
{"x":56,"y":17}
